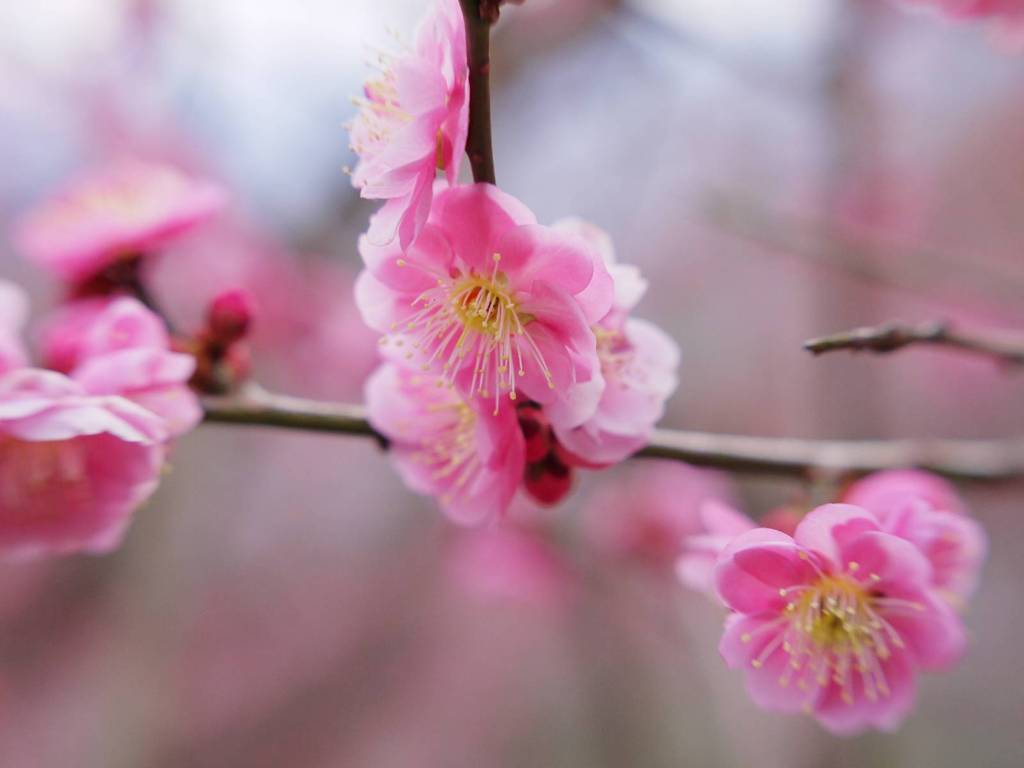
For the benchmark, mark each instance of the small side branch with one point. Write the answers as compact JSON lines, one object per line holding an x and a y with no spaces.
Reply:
{"x":478,"y":15}
{"x":976,"y":460}
{"x":1004,"y":347}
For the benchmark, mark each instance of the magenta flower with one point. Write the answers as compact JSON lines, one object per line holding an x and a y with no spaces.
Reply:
{"x":13,"y":313}
{"x":925,"y":510}
{"x":119,"y":347}
{"x":413,"y":122}
{"x":490,"y":300}
{"x":638,"y":370}
{"x":73,"y":467}
{"x":115,"y":214}
{"x":447,"y":445}
{"x":835,"y":621}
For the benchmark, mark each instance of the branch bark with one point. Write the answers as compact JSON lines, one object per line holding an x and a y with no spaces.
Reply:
{"x":478,"y":15}
{"x":971,"y":460}
{"x":1003,"y":347}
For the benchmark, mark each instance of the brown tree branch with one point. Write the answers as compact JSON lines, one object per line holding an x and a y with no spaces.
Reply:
{"x":1004,"y":347}
{"x":976,"y":460}
{"x":479,"y":15}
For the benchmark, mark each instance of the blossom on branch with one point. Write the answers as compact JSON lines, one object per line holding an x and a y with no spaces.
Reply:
{"x":638,"y":369}
{"x":126,"y":351}
{"x":446,"y":444}
{"x":925,"y":510}
{"x":73,"y":466}
{"x":111,"y":217}
{"x":412,"y":122}
{"x":495,"y":304}
{"x":835,"y":621}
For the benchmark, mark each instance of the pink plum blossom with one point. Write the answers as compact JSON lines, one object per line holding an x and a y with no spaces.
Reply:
{"x":925,"y":510}
{"x":119,"y":347}
{"x":413,"y":122}
{"x":835,"y":621}
{"x":490,"y":300}
{"x":447,"y":445}
{"x":638,"y":369}
{"x":112,"y":215}
{"x":13,"y":313}
{"x":73,"y":466}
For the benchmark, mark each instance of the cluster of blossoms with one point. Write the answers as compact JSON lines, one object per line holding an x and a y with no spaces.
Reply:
{"x":837,"y":617}
{"x":84,"y":435}
{"x":509,"y":354}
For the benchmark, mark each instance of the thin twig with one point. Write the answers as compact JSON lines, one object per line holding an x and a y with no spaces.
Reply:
{"x":1004,"y":347}
{"x":478,"y":15}
{"x":977,"y":460}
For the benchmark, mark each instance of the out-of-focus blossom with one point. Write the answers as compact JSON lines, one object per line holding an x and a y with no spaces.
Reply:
{"x":413,"y":122}
{"x":835,"y":621}
{"x":446,"y":445}
{"x":510,"y":562}
{"x":926,"y":510}
{"x":493,"y":302}
{"x":638,"y":369}
{"x":13,"y":313}
{"x":124,"y":349}
{"x":1008,"y":15}
{"x":648,"y":511}
{"x":720,"y":525}
{"x":73,"y":466}
{"x":114,"y":215}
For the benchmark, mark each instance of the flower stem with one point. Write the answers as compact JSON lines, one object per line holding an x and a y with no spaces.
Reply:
{"x":478,"y":45}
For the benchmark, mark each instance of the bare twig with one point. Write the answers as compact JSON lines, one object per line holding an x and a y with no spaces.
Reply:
{"x":478,"y":15}
{"x":978,"y":460}
{"x":1004,"y":347}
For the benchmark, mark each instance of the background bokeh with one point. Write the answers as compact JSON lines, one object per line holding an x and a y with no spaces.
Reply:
{"x":778,"y":170}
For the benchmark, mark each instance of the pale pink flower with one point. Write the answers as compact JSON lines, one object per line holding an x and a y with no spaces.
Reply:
{"x":119,"y":213}
{"x":119,"y":347}
{"x":639,"y":365}
{"x":446,"y":445}
{"x":490,"y":300}
{"x":413,"y":122}
{"x":835,"y":621}
{"x":720,"y":524}
{"x":73,"y":467}
{"x":63,"y":331}
{"x":13,"y":313}
{"x":925,"y":510}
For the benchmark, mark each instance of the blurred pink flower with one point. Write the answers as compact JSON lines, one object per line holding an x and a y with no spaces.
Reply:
{"x":13,"y":314}
{"x":73,"y":467}
{"x":1008,"y":15}
{"x":835,"y":621}
{"x":496,"y":303}
{"x":720,"y":525}
{"x":510,"y":562}
{"x":925,"y":510}
{"x":119,"y":347}
{"x":649,"y":511}
{"x":118,"y":213}
{"x":413,"y":122}
{"x":639,"y":365}
{"x":446,"y":445}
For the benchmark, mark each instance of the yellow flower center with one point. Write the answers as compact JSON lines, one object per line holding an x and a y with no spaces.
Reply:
{"x":834,"y":631}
